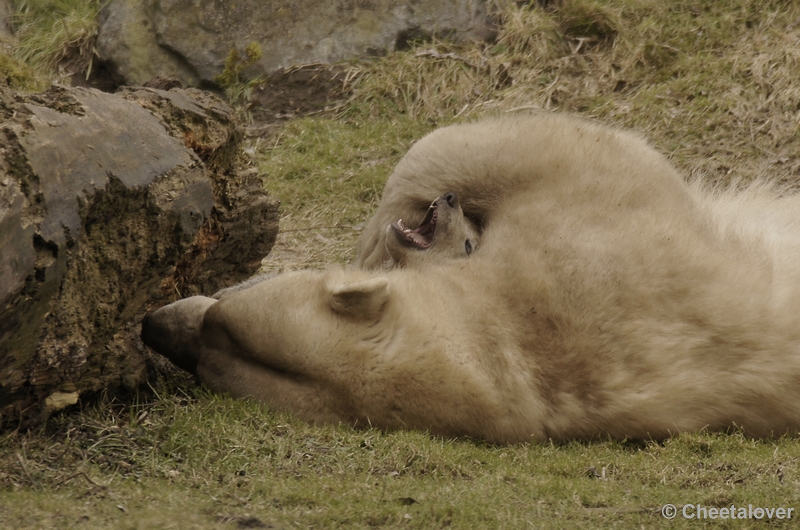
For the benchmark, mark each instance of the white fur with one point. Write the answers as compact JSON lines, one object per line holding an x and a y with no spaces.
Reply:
{"x":607,"y":298}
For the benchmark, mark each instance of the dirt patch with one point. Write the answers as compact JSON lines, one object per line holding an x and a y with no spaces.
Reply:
{"x":78,"y":63}
{"x":298,"y":91}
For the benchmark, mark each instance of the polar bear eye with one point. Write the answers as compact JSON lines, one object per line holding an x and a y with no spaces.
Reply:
{"x":468,"y":247}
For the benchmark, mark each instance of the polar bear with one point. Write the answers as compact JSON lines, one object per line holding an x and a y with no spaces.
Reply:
{"x":608,"y":299}
{"x":444,"y":233}
{"x":485,"y":162}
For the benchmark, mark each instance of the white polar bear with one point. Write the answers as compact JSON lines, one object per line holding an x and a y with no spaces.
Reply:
{"x":607,"y":298}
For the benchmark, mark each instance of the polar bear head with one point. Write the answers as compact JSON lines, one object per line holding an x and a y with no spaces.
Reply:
{"x":343,"y":346}
{"x":444,"y":233}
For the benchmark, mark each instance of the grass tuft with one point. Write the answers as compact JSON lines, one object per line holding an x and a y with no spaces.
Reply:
{"x":19,"y":75}
{"x":56,"y":37}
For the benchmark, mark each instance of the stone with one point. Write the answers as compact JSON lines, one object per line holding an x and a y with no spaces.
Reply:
{"x":127,"y":43}
{"x":109,"y":205}
{"x":190,"y":39}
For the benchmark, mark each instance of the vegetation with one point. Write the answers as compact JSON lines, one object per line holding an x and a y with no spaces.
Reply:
{"x":711,"y":83}
{"x":56,"y":38}
{"x":196,"y":460}
{"x":237,"y":89}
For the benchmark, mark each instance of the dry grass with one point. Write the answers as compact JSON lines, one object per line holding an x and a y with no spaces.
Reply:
{"x":56,"y":37}
{"x":705,"y":81}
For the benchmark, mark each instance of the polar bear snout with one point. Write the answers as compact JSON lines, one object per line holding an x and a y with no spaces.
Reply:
{"x":174,"y":330}
{"x":444,"y":233}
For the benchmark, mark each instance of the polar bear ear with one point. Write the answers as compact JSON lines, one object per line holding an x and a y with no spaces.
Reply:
{"x":362,"y":299}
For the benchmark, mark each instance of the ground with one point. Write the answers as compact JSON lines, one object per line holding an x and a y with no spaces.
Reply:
{"x":712,"y":84}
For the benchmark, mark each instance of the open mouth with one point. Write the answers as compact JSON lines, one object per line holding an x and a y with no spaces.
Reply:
{"x":421,"y":237}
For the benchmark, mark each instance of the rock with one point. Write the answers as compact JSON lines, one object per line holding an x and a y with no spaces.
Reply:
{"x":127,"y":44}
{"x":190,"y":40}
{"x":111,"y":205}
{"x":5,"y":20}
{"x":244,"y":223}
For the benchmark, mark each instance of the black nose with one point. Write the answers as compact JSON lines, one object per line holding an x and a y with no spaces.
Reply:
{"x":451,"y":198}
{"x":154,"y":335}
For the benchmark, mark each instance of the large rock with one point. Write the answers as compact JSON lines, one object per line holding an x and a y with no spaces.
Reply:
{"x":111,"y":204}
{"x":190,"y":39}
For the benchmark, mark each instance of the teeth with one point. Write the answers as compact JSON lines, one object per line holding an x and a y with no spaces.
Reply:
{"x":399,"y":224}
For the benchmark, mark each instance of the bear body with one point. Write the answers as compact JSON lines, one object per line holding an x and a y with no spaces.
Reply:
{"x":607,"y":298}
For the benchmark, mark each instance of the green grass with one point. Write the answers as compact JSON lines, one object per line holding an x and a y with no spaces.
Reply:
{"x":329,"y":163}
{"x":198,"y":460}
{"x":56,"y":37}
{"x":711,"y":83}
{"x":329,"y":174}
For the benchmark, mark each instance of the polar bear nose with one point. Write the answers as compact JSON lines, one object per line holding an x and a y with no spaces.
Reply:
{"x":451,"y":198}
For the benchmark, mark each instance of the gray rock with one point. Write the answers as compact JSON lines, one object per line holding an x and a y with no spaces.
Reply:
{"x":127,"y":42}
{"x":111,"y":205}
{"x":190,"y":39}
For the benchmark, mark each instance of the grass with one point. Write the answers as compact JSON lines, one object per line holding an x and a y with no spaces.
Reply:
{"x":712,"y":84}
{"x":329,"y":174}
{"x":197,"y":460}
{"x":55,"y":38}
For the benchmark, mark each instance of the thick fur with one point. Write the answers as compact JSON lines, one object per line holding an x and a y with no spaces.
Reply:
{"x":486,"y":162}
{"x":608,"y":298}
